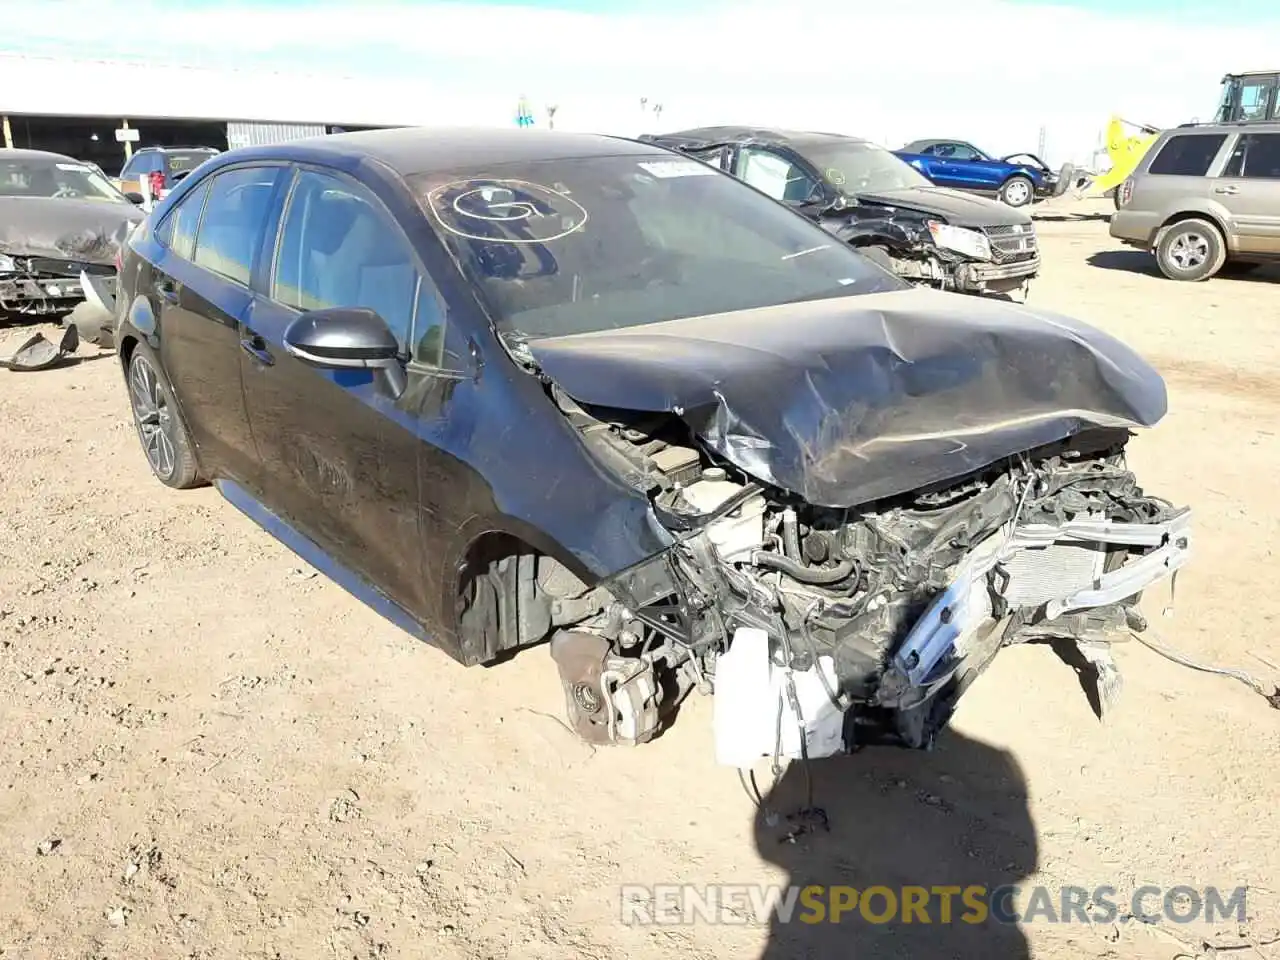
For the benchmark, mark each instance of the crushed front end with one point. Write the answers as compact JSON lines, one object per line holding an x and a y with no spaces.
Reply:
{"x":867,"y":624}
{"x":978,"y":260}
{"x":40,"y":285}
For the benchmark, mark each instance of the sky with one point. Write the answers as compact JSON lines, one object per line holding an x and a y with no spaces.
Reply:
{"x":995,"y":72}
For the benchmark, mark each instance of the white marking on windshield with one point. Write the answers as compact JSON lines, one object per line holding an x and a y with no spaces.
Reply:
{"x":678,"y":168}
{"x":801,"y":253}
{"x":479,"y":209}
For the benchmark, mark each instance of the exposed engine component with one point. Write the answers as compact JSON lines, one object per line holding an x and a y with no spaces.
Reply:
{"x":868,"y":621}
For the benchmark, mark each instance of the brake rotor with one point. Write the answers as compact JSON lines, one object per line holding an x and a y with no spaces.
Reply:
{"x":608,"y":699}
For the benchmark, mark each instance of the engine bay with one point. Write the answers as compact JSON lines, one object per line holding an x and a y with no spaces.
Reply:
{"x":885,"y":612}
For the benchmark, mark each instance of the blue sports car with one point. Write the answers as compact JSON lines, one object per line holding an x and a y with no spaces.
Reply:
{"x":1018,"y":179}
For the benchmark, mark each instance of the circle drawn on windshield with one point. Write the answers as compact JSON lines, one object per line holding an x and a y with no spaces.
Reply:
{"x":835,"y":177}
{"x":505,"y":211}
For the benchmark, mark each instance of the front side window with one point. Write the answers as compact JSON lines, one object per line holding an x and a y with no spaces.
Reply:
{"x":339,"y":248}
{"x":1187,"y":155}
{"x":856,"y":166}
{"x":1255,"y":98}
{"x":235,"y":217}
{"x":56,"y":179}
{"x":569,"y":246}
{"x":958,"y":151}
{"x":775,"y":175}
{"x":1256,"y":157}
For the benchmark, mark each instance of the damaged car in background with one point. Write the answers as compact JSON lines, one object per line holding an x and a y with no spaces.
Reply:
{"x":868,"y":197}
{"x":509,"y":387}
{"x":62,"y":225}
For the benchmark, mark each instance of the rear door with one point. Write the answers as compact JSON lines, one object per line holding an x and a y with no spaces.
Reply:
{"x":1177,"y":174}
{"x":1250,"y":189}
{"x":139,"y":165}
{"x":201,"y":289}
{"x":339,"y":453}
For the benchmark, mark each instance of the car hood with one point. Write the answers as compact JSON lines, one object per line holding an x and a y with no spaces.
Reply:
{"x":82,"y":230}
{"x":851,"y":399}
{"x":953,"y":206}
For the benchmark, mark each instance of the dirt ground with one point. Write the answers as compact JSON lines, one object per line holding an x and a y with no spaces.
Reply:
{"x":210,"y":751}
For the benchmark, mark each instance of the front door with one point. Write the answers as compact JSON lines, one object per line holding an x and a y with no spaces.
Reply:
{"x":338,"y":449}
{"x":1250,"y":190}
{"x":778,"y":175}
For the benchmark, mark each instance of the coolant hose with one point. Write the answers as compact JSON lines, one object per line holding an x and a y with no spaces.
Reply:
{"x":816,"y":576}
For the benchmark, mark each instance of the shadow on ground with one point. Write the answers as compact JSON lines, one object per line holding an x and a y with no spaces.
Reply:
{"x":1062,"y":217}
{"x":1139,"y":261}
{"x":956,"y":816}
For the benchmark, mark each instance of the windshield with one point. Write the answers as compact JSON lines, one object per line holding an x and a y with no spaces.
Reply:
{"x":854,"y":167}
{"x":58,"y":179}
{"x":571,"y":246}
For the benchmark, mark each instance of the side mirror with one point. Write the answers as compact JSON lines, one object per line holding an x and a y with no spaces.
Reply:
{"x":346,"y":338}
{"x":134,"y":197}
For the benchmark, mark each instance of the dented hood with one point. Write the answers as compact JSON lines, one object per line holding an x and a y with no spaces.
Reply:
{"x":88,"y":231}
{"x":852,"y":399}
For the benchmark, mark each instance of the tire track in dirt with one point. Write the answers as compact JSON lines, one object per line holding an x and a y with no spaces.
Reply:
{"x":1221,"y":379}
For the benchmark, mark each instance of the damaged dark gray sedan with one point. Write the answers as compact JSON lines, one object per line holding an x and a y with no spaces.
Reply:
{"x":510,"y":387}
{"x":60,"y":221}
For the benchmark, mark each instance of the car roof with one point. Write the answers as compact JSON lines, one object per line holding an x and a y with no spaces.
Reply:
{"x":933,"y":140}
{"x":171,"y":147}
{"x":737,"y":134}
{"x":411,"y":151}
{"x":1232,"y":126}
{"x":18,"y":153}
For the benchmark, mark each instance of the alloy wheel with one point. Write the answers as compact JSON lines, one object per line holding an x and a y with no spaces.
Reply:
{"x":1189,"y":251}
{"x":151,"y":412}
{"x":1017,"y":193}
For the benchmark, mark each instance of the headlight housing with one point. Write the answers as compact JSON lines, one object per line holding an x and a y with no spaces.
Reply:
{"x":7,"y":265}
{"x":972,"y":243}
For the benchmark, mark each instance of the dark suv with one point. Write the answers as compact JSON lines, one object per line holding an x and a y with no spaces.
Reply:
{"x":163,"y":167}
{"x":509,"y":386}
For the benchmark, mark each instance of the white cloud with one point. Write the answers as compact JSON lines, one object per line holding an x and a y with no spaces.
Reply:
{"x":987,"y":70}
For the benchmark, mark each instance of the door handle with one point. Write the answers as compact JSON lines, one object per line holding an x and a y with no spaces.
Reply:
{"x":1231,"y":191}
{"x":256,"y":347}
{"x":167,"y":290}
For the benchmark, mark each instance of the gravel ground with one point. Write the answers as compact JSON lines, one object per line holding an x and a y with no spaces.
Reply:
{"x":210,"y":751}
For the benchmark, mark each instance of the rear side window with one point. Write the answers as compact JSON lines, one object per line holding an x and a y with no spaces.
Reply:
{"x":140,"y":164}
{"x":1187,"y":155}
{"x":235,"y":217}
{"x":178,"y":232}
{"x":1256,"y":157}
{"x":182,"y":162}
{"x":338,"y":248}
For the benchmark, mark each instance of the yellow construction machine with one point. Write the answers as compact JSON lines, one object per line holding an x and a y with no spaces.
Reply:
{"x":1248,"y":97}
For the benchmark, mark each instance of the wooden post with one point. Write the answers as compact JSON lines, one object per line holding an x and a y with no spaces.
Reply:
{"x":128,"y":146}
{"x":8,"y":133}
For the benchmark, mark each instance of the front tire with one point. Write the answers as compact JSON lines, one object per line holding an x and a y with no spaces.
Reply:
{"x":1017,"y":191}
{"x":163,"y":436}
{"x":1192,"y":251}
